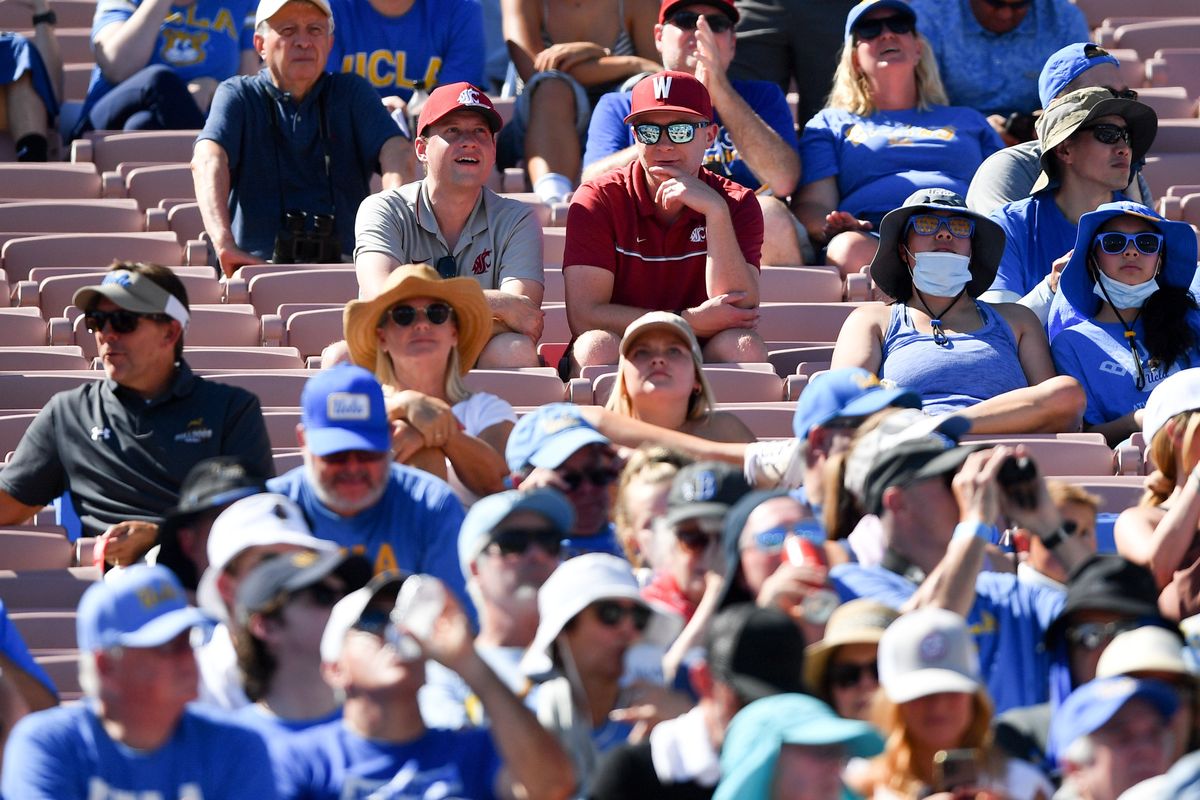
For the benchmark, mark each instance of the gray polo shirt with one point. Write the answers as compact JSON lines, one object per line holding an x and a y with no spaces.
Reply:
{"x":124,"y":458}
{"x":501,"y":241}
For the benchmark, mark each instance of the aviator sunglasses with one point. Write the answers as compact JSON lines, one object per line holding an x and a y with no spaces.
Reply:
{"x":405,"y":315}
{"x":1116,"y":242}
{"x":677,"y":132}
{"x":930,"y":224}
{"x":122,"y":320}
{"x":873,"y":29}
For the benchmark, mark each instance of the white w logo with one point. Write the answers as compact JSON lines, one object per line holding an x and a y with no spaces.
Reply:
{"x":662,"y":87}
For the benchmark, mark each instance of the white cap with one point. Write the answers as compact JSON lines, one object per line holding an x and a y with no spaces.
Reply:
{"x":260,"y":519}
{"x":349,"y":609}
{"x":571,"y":588}
{"x":928,"y":651}
{"x":1176,"y":394}
{"x":269,"y":8}
{"x":1145,"y":649}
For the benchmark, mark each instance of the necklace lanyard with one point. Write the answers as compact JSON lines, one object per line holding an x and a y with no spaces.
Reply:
{"x":935,"y":320}
{"x":1130,"y":338}
{"x":274,"y":111}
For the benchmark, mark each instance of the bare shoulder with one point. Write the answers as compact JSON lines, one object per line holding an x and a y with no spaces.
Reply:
{"x":1017,"y":316}
{"x":720,"y":426}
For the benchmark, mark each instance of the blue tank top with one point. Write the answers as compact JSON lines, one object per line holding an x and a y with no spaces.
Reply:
{"x":972,"y":367}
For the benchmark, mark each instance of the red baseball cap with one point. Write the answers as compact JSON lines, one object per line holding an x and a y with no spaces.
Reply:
{"x":670,"y":91}
{"x":454,"y":97}
{"x":669,"y":7}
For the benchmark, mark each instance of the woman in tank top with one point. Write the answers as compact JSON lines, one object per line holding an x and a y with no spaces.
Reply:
{"x":988,"y":362}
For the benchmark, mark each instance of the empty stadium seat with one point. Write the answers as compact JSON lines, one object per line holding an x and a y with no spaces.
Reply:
{"x":32,"y":547}
{"x":281,"y":427}
{"x":185,"y":221}
{"x":149,"y":185}
{"x":1166,"y":169}
{"x":22,"y":327}
{"x":268,"y":291}
{"x":209,"y":326}
{"x":45,"y":589}
{"x":45,"y":632}
{"x":1169,"y":102}
{"x":765,"y":420}
{"x":1148,"y":37}
{"x":53,"y":294}
{"x":107,"y":149}
{"x":78,"y":216}
{"x":97,"y":250}
{"x":554,"y":243}
{"x":243,"y":358}
{"x":555,"y":290}
{"x":799,"y":285}
{"x":1174,"y":66}
{"x":23,"y":181}
{"x":46,"y":357}
{"x":1062,"y":454}
{"x":279,"y":389}
{"x":12,"y":428}
{"x":519,"y":387}
{"x":63,"y":669}
{"x":15,"y":14}
{"x":728,"y":385}
{"x":1177,"y":136}
{"x":33,"y":390}
{"x":310,"y":332}
{"x":1116,"y":492}
{"x":802,"y":322}
{"x":786,"y":360}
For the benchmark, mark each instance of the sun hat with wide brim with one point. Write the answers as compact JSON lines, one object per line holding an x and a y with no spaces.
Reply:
{"x":361,"y":318}
{"x":987,"y":244}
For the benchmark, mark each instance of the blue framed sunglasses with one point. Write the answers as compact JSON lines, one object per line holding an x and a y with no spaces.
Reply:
{"x":1116,"y":242}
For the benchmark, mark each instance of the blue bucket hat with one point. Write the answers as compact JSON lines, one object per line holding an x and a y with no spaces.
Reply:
{"x":548,"y":436}
{"x":849,"y":392}
{"x":758,"y":732}
{"x":872,"y":5}
{"x":342,"y":409}
{"x":1093,"y":704}
{"x":144,"y":607}
{"x":1067,"y":64}
{"x":490,"y":511}
{"x":1075,"y":285}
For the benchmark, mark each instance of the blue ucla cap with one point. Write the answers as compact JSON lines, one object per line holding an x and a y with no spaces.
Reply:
{"x":548,"y":436}
{"x":1067,"y":64}
{"x":873,"y":5}
{"x":145,"y":606}
{"x":342,"y":409}
{"x":849,"y":392}
{"x":1093,"y":704}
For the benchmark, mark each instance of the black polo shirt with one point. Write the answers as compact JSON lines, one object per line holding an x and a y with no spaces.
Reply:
{"x":123,"y":457}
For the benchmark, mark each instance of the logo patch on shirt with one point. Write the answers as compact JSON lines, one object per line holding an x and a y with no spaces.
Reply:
{"x":195,"y":432}
{"x":345,"y":406}
{"x":483,"y":262}
{"x":183,"y":48}
{"x":699,"y":234}
{"x":98,"y":433}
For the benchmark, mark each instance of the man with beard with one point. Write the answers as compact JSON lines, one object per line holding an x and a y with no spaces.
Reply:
{"x":354,"y":494}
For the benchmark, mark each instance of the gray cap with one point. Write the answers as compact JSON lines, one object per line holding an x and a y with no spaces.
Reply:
{"x":133,"y":291}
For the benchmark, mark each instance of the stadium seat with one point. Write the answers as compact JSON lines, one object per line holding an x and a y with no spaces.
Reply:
{"x":1189,"y":209}
{"x":279,"y":389}
{"x":1148,"y":37}
{"x":63,"y":669}
{"x":1177,"y":136}
{"x":46,"y":357}
{"x":800,"y":285}
{"x":1165,"y":170}
{"x":14,"y":14}
{"x":76,"y":216}
{"x":1116,"y":492}
{"x":765,"y":420}
{"x":554,"y":242}
{"x":25,"y":181}
{"x":209,"y":326}
{"x":281,"y":427}
{"x":1062,"y":454}
{"x":149,"y":185}
{"x":243,"y":358}
{"x":556,"y":328}
{"x":12,"y":428}
{"x":802,"y":322}
{"x":107,"y":149}
{"x":45,"y":589}
{"x":97,"y":250}
{"x":533,"y":387}
{"x":268,"y":291}
{"x":287,"y":459}
{"x":76,"y":79}
{"x":53,"y":294}
{"x":32,"y":547}
{"x":33,"y":390}
{"x":1175,"y":66}
{"x":786,"y":360}
{"x":22,"y":327}
{"x":555,"y":290}
{"x":185,"y":221}
{"x":310,"y":332}
{"x":1169,"y":102}
{"x":728,"y":385}
{"x":45,"y":632}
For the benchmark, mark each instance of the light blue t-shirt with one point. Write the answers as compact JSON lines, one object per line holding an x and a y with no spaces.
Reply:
{"x":881,"y":159}
{"x":202,"y":40}
{"x":413,"y":527}
{"x":1096,"y":354}
{"x":435,"y":42}
{"x":64,"y":753}
{"x":608,"y":133}
{"x":993,"y":72}
{"x":329,"y":762}
{"x":1008,"y":620}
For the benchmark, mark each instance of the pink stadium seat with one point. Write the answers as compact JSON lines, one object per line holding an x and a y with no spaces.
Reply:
{"x":33,"y":390}
{"x":49,"y":181}
{"x":1189,"y":209}
{"x":799,"y":285}
{"x":554,"y":242}
{"x":1147,"y":37}
{"x":556,"y":328}
{"x":63,"y":669}
{"x":280,"y":389}
{"x":243,"y":358}
{"x":1116,"y":492}
{"x":1174,"y":66}
{"x":107,"y":149}
{"x":53,"y":294}
{"x":1169,"y":102}
{"x":185,"y":221}
{"x":1177,"y":136}
{"x":281,"y":427}
{"x":45,"y":632}
{"x":22,"y":327}
{"x":765,"y":420}
{"x":87,"y":250}
{"x":76,"y":78}
{"x":555,"y":290}
{"x":148,"y":185}
{"x":1064,"y":454}
{"x":45,"y":589}
{"x":268,"y":291}
{"x":1164,"y":170}
{"x":540,"y":209}
{"x":74,"y":42}
{"x":210,"y":326}
{"x":286,"y":460}
{"x":14,"y":14}
{"x":310,"y":332}
{"x":728,"y":385}
{"x":519,"y":387}
{"x":802,"y":322}
{"x":35,"y":547}
{"x":786,"y":360}
{"x":72,"y":216}
{"x":46,"y":357}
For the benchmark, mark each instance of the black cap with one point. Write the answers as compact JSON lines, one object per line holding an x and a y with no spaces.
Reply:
{"x":1107,"y":583}
{"x":757,"y":651}
{"x":704,"y":489}
{"x":284,"y":574}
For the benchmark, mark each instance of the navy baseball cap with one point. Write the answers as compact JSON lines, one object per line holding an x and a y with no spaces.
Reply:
{"x":872,"y":5}
{"x":143,"y":607}
{"x":342,"y":409}
{"x":849,"y":392}
{"x":1093,"y":704}
{"x":549,"y":436}
{"x":1067,"y":64}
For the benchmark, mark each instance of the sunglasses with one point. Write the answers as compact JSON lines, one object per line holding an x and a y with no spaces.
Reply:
{"x":930,"y":224}
{"x":1091,"y":635}
{"x":446,"y":267}
{"x":404,"y":315}
{"x":362,"y":456}
{"x":844,"y":676}
{"x":695,"y":538}
{"x":1115,"y":242}
{"x":320,"y":594}
{"x":686,"y":21}
{"x":122,"y":321}
{"x":873,"y":29}
{"x":677,"y":132}
{"x":1107,"y":133}
{"x":596,"y":476}
{"x":1000,"y":5}
{"x":516,"y":541}
{"x":1122,"y":94}
{"x":771,"y":540}
{"x":610,"y":613}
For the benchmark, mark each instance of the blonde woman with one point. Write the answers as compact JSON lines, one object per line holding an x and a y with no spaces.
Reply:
{"x":885,"y":133}
{"x":420,"y":335}
{"x":660,"y":380}
{"x":641,"y":497}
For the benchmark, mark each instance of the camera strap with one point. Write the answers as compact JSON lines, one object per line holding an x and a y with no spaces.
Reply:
{"x":282,"y":142}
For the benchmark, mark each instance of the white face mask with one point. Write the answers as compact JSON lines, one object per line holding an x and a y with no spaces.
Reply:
{"x":940,"y":274}
{"x":1124,"y":295}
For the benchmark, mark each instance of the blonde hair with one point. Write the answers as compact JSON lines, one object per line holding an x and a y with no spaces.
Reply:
{"x":896,"y":765}
{"x":700,"y":402}
{"x":456,"y":388}
{"x":649,"y":464}
{"x":1161,"y":483}
{"x":1062,"y":493}
{"x":852,"y":90}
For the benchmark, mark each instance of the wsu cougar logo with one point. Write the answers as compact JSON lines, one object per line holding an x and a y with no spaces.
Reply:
{"x":482,"y":263}
{"x":469,"y":97}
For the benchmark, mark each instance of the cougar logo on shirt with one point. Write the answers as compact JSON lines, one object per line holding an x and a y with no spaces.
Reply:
{"x":699,"y":234}
{"x":662,"y":87}
{"x":483,"y":261}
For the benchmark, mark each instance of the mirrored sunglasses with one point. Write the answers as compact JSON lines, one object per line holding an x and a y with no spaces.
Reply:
{"x":930,"y":224}
{"x":1116,"y":242}
{"x":1107,"y":133}
{"x":516,"y":541}
{"x":1091,"y":635}
{"x":405,"y":315}
{"x":687,"y":20}
{"x":873,"y":29}
{"x":122,"y":320}
{"x":677,"y":132}
{"x":610,"y":613}
{"x":772,"y":539}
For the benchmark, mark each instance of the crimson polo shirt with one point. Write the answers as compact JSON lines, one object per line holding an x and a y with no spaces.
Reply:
{"x":611,"y":224}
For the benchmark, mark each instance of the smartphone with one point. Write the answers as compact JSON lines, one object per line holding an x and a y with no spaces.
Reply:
{"x":955,"y":769}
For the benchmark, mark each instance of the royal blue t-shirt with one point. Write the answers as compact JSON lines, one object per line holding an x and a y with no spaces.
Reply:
{"x":64,"y":753}
{"x":14,"y":649}
{"x":881,"y":159}
{"x":433,"y":43}
{"x":329,"y":762}
{"x":608,"y":133}
{"x":202,"y":40}
{"x":1008,"y":621}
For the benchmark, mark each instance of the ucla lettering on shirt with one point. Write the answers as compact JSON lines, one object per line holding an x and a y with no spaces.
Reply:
{"x":99,"y":790}
{"x":408,"y":784}
{"x":388,"y":68}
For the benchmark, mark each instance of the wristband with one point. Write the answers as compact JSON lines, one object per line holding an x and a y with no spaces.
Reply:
{"x":967,"y":530}
{"x":48,"y":17}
